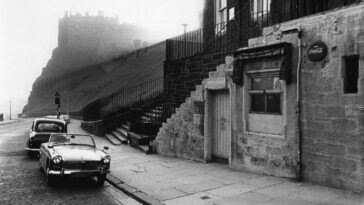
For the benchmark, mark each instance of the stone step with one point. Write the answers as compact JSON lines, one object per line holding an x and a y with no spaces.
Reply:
{"x":123,"y":131}
{"x":120,"y":137}
{"x":113,"y":139}
{"x":153,"y":114}
{"x":126,"y":126}
{"x":137,"y":139}
{"x":143,"y":148}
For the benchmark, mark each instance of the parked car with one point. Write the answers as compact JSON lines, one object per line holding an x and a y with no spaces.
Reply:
{"x":73,"y":155}
{"x":65,"y":118}
{"x":40,"y":132}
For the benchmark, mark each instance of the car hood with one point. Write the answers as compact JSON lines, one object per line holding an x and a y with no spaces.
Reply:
{"x":78,"y":153}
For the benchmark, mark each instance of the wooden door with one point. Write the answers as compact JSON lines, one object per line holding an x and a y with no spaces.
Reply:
{"x":221,"y":124}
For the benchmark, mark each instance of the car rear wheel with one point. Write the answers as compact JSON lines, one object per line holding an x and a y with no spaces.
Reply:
{"x":101,"y":180}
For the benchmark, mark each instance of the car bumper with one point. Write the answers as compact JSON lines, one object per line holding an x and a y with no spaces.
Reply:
{"x":70,"y":172}
{"x":32,"y":149}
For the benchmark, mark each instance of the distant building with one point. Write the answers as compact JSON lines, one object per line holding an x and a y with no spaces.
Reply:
{"x":98,"y":35}
{"x":1,"y":117}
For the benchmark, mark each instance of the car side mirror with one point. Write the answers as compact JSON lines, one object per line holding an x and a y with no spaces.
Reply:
{"x":50,"y":146}
{"x":106,"y":148}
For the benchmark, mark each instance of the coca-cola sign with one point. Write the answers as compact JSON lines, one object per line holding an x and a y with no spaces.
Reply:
{"x":317,"y":51}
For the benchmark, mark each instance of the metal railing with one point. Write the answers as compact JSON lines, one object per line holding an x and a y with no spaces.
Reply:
{"x":248,"y":22}
{"x":123,"y":99}
{"x":195,"y":42}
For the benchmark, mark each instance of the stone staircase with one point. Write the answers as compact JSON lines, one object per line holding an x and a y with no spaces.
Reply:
{"x":182,"y":135}
{"x":146,"y":122}
{"x":119,"y":135}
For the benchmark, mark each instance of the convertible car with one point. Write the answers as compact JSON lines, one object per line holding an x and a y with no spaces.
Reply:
{"x":73,"y":155}
{"x":41,"y":130}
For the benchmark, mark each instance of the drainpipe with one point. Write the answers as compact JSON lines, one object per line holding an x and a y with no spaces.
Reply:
{"x":298,"y":100}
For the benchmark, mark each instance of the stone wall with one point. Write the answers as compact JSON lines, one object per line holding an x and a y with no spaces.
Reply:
{"x":267,"y":151}
{"x":332,"y":121}
{"x":183,"y":134}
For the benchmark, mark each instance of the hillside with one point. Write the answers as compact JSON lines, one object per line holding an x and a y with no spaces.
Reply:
{"x":82,"y":85}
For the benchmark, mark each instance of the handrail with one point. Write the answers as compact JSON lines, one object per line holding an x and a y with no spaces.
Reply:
{"x":122,"y":99}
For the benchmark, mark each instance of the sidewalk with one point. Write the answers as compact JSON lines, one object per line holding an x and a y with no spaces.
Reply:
{"x":7,"y":122}
{"x":178,"y":181}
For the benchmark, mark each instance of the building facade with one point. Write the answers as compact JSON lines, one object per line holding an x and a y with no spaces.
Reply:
{"x":277,"y":88}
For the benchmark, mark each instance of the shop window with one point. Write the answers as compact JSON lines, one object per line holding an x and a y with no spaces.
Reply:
{"x":351,"y":74}
{"x":265,"y":99}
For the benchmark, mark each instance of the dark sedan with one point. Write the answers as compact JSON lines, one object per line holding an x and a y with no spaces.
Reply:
{"x":40,"y":132}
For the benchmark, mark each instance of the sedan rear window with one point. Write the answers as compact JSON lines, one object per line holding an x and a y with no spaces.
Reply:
{"x":49,"y":127}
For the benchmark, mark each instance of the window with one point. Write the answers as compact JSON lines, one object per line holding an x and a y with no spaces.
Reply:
{"x":260,"y":14}
{"x":231,"y":13}
{"x":351,"y":74}
{"x":265,"y":95}
{"x":261,"y":6}
{"x":49,"y":127}
{"x":221,"y":16}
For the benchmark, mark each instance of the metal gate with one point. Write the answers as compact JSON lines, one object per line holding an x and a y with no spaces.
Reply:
{"x":221,"y":124}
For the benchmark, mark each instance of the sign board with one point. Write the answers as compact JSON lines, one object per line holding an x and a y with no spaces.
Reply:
{"x":317,"y":51}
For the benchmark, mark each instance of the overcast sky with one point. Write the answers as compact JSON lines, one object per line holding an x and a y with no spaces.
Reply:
{"x":29,"y":29}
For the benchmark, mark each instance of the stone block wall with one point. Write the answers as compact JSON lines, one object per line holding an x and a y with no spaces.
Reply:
{"x":331,"y":120}
{"x":183,"y":134}
{"x":261,"y":151}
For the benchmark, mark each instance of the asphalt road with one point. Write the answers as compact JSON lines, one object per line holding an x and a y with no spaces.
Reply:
{"x":21,"y":181}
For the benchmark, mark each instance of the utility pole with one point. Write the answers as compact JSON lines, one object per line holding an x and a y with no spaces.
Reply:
{"x":185,"y":37}
{"x":68,"y":98}
{"x":10,"y":111}
{"x":57,"y":101}
{"x":28,"y":108}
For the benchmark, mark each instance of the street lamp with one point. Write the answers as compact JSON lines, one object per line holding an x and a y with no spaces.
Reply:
{"x":185,"y":37}
{"x":57,"y":101}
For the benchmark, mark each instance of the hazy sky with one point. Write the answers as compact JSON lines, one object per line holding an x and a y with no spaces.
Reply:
{"x":29,"y":29}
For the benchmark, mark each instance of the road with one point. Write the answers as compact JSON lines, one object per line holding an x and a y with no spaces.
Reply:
{"x":21,"y":182}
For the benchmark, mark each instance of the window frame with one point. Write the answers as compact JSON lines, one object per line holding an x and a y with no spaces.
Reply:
{"x":266,"y":93}
{"x":221,"y":17}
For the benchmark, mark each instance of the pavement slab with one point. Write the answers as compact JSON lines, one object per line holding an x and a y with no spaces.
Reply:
{"x":175,"y":181}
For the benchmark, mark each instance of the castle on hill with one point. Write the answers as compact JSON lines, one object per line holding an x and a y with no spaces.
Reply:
{"x":102,"y":36}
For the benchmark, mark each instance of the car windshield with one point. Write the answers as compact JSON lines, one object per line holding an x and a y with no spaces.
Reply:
{"x":49,"y":127}
{"x":71,"y":139}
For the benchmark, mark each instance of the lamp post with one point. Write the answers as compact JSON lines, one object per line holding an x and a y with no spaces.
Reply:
{"x":185,"y":38}
{"x":57,"y":101}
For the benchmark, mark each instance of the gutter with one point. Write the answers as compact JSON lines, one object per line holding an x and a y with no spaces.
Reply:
{"x":298,"y":100}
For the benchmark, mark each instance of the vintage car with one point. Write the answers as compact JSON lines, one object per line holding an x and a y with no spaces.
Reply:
{"x":41,"y":130}
{"x":65,"y":118}
{"x":73,"y":155}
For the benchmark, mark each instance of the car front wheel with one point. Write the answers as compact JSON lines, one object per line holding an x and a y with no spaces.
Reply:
{"x":50,"y":178}
{"x":101,"y":180}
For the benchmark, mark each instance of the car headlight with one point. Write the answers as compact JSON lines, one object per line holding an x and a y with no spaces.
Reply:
{"x":57,"y":159}
{"x":106,"y":159}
